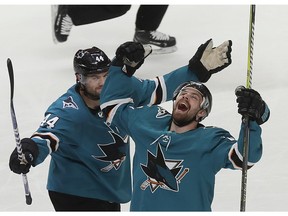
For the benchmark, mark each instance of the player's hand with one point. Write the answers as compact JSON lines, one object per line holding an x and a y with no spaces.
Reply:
{"x":250,"y":103}
{"x":209,"y":60}
{"x":130,"y":55}
{"x":29,"y":153}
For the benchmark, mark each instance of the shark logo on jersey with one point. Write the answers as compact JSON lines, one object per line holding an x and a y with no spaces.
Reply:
{"x":162,"y":113}
{"x":163,"y":140}
{"x":162,"y":173}
{"x":69,"y":103}
{"x":114,"y":153}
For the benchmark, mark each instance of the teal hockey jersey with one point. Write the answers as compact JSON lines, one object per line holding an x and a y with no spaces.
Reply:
{"x":90,"y":158}
{"x":171,"y":171}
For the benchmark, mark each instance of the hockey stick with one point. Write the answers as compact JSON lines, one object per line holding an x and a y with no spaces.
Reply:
{"x":16,"y":132}
{"x":246,"y":118}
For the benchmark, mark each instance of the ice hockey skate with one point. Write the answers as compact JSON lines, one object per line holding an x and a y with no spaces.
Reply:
{"x":61,"y":23}
{"x":161,"y":43}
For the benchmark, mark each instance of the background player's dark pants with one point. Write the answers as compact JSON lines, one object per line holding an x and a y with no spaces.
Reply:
{"x":66,"y":202}
{"x":148,"y":17}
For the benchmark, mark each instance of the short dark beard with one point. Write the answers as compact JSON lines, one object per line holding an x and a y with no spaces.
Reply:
{"x":184,"y":122}
{"x":87,"y":94}
{"x":91,"y":96}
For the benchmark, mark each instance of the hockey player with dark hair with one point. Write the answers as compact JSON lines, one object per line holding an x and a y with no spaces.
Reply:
{"x":148,"y":20}
{"x":176,"y":156}
{"x":90,"y":160}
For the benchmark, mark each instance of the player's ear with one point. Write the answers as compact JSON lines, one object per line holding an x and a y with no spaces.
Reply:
{"x":202,"y":113}
{"x":78,"y":77}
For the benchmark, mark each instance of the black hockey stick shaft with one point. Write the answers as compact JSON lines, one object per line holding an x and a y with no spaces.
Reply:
{"x":16,"y":131}
{"x":246,"y":118}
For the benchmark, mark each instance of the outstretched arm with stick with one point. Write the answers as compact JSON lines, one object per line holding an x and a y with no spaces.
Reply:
{"x":20,"y":161}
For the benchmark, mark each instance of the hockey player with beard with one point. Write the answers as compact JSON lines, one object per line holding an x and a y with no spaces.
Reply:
{"x":176,"y":156}
{"x":90,"y":160}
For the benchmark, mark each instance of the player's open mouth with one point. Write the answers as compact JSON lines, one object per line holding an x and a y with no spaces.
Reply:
{"x":182,"y":106}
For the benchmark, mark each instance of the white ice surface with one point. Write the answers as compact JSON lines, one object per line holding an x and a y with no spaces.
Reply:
{"x":43,"y":71}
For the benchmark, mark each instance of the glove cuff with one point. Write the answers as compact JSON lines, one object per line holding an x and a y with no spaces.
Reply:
{"x":126,"y":69}
{"x":265,"y":116}
{"x":28,"y":145}
{"x":198,"y":68}
{"x":116,"y":62}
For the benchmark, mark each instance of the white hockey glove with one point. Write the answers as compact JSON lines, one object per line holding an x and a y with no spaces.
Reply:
{"x":215,"y":58}
{"x":208,"y":59}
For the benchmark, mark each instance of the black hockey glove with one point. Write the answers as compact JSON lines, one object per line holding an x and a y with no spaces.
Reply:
{"x":130,"y":56}
{"x":208,"y":60}
{"x":30,"y":152}
{"x":250,"y":103}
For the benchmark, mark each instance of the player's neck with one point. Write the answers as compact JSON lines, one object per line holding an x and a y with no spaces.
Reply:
{"x":183,"y":129}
